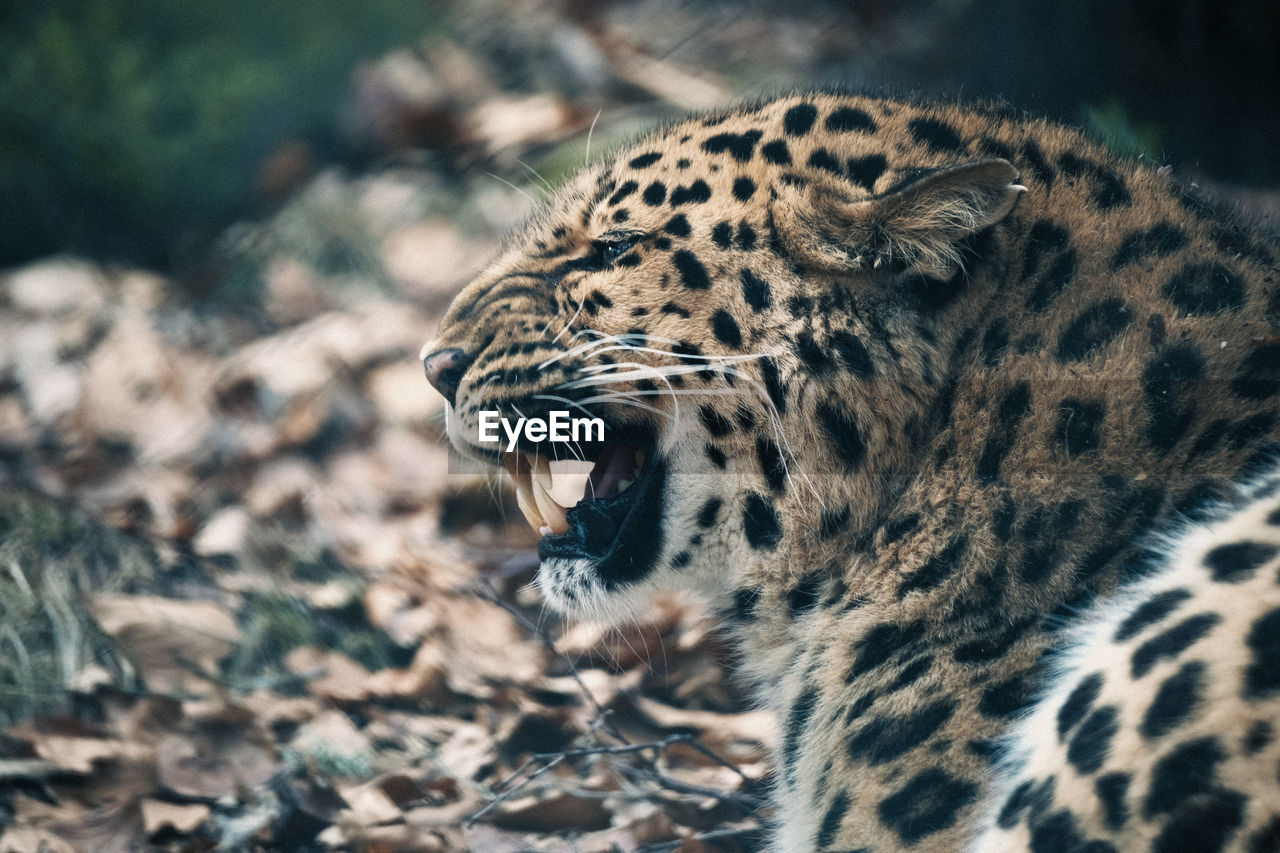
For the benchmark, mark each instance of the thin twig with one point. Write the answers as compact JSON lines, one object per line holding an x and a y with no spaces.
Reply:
{"x":648,"y":772}
{"x":744,"y":832}
{"x":505,"y":795}
{"x":746,"y":804}
{"x":486,"y":591}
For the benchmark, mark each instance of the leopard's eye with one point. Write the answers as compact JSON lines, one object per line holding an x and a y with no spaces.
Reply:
{"x":607,"y":249}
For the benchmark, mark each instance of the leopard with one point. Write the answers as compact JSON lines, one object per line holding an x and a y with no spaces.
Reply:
{"x":959,"y":424}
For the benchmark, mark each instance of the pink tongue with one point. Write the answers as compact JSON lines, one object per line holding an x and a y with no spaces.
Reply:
{"x":616,"y":463}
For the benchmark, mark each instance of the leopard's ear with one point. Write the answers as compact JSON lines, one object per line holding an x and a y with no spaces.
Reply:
{"x":915,"y":226}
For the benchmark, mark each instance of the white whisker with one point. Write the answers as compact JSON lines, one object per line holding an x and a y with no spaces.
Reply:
{"x":536,"y":174}
{"x":532,"y":200}
{"x":624,"y":398}
{"x":587,"y":157}
{"x":567,"y":327}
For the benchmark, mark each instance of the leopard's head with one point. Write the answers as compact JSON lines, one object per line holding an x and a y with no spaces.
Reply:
{"x":756,"y":306}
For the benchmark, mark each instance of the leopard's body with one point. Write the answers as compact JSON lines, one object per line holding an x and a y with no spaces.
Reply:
{"x":916,"y":382}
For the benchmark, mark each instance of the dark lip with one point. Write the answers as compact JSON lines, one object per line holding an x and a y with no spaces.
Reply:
{"x":622,"y":535}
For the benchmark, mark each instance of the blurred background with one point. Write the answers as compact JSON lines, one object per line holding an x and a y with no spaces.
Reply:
{"x":242,"y":603}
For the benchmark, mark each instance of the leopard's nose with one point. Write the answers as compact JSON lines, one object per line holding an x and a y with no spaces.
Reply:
{"x":444,"y":370}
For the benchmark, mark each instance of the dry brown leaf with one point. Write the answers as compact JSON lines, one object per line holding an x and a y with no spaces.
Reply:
{"x":139,"y":388}
{"x":553,"y":811}
{"x":147,"y":495}
{"x":646,"y":822}
{"x":494,"y":840}
{"x":487,"y":646}
{"x":330,"y":736}
{"x":80,"y":754}
{"x":649,"y":825}
{"x":334,"y":595}
{"x":468,"y":753}
{"x":424,"y":678}
{"x":397,"y":838}
{"x":271,"y":709}
{"x":450,"y":815}
{"x":431,"y":260}
{"x":293,"y":291}
{"x":603,"y":686}
{"x":56,"y":287}
{"x":283,"y":483}
{"x":692,"y":845}
{"x":158,"y":815}
{"x":756,"y":726}
{"x":166,"y":638}
{"x":369,"y":805}
{"x":213,"y":763}
{"x":50,"y":387}
{"x":411,"y":469}
{"x":383,"y":600}
{"x":26,"y":839}
{"x":15,"y":428}
{"x":303,"y":360}
{"x":413,"y":728}
{"x":332,"y":675}
{"x":224,"y":533}
{"x":505,"y":123}
{"x":108,"y":820}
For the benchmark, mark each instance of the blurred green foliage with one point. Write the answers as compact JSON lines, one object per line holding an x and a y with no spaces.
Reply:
{"x":1113,"y":125}
{"x":132,"y":129}
{"x":50,"y":557}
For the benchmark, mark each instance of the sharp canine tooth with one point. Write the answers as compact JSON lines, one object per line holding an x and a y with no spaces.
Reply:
{"x":569,"y":479}
{"x":623,"y":485}
{"x":514,"y":463}
{"x":529,"y":508}
{"x":536,"y":482}
{"x":551,"y":511}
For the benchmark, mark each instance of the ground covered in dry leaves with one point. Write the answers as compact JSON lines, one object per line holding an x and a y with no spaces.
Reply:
{"x":246,"y":604}
{"x":244,"y":601}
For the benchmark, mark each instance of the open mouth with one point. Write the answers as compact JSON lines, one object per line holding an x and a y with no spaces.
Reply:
{"x":607,"y":511}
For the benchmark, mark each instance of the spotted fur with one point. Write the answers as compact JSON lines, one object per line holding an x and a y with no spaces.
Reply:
{"x":1158,"y":729}
{"x":918,"y":381}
